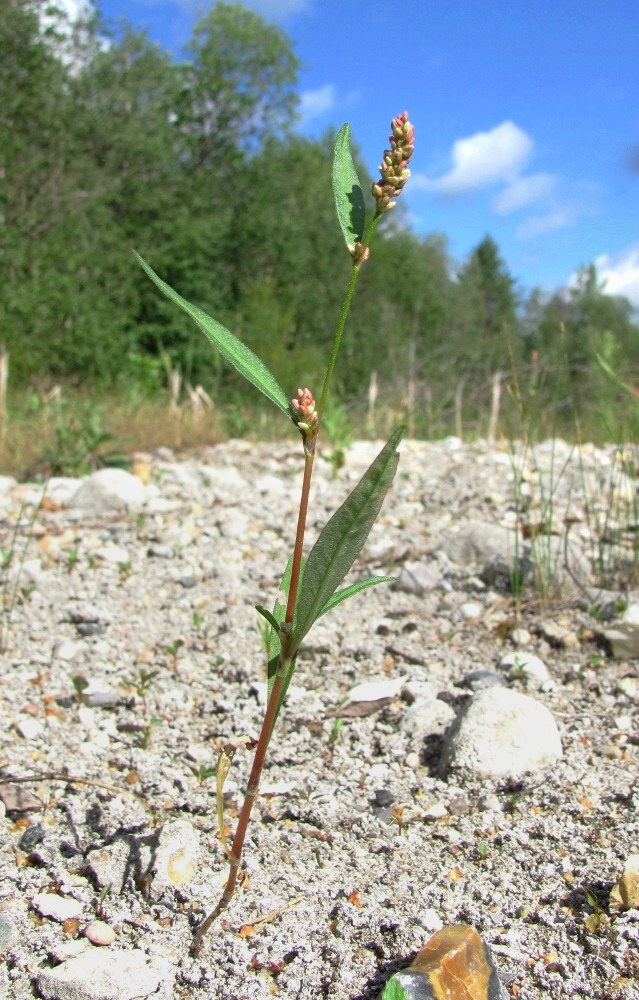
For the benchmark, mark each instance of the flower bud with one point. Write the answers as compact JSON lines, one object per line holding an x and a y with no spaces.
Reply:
{"x":392,"y":170}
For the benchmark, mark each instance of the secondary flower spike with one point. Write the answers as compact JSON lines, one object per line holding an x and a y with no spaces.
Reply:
{"x":393,"y":169}
{"x":307,"y":419}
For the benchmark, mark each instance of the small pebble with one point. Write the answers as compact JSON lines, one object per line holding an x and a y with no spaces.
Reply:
{"x":97,"y":932}
{"x":489,"y":802}
{"x":113,"y":554}
{"x":412,"y":760}
{"x":30,"y":729}
{"x":384,"y":797}
{"x":630,"y":687}
{"x":459,"y":806}
{"x":32,"y":836}
{"x":435,"y":811}
{"x":470,"y":610}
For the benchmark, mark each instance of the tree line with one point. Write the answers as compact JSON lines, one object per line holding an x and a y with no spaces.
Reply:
{"x":196,"y":163}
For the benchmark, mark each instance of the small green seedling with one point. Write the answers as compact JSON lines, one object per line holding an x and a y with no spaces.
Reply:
{"x":204,"y":773}
{"x":173,"y":649}
{"x":99,"y":906}
{"x":125,"y":569}
{"x":311,"y":584}
{"x":336,"y":729}
{"x":80,"y":684}
{"x":142,"y":685}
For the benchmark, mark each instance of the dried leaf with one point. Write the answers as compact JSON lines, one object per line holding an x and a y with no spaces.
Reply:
{"x":223,"y":768}
{"x":358,"y":709}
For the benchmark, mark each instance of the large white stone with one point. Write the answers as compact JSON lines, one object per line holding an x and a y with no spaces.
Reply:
{"x":109,"y":975}
{"x":501,"y":734}
{"x":109,"y":491}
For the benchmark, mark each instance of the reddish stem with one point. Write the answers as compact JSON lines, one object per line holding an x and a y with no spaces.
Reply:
{"x":235,"y":854}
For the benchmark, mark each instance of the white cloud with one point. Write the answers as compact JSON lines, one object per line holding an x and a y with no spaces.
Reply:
{"x":620,"y":273}
{"x":314,"y":103}
{"x":523,"y":191}
{"x":561,"y":217}
{"x":482,"y":159}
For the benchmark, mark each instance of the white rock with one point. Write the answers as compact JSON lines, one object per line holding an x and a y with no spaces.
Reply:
{"x":176,"y":856}
{"x":437,"y":810}
{"x":526,"y":665}
{"x":419,"y":577}
{"x":474,"y":542}
{"x":108,"y":491}
{"x":375,"y":690}
{"x":630,"y":687}
{"x":6,"y":484}
{"x":631,"y":614}
{"x":501,"y":733}
{"x":30,"y":729}
{"x":86,"y":716}
{"x":113,"y":554}
{"x":520,"y":637}
{"x":60,"y":489}
{"x":430,"y":920}
{"x":59,"y":908}
{"x":427,"y":717}
{"x":277,"y":788}
{"x":623,"y":637}
{"x":68,"y":650}
{"x":30,"y":570}
{"x":470,"y":609}
{"x":99,"y":933}
{"x":109,"y":975}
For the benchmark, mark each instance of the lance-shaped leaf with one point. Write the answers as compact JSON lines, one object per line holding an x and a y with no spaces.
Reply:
{"x":349,"y":197}
{"x":342,"y":539}
{"x":239,"y":355}
{"x":355,"y":588}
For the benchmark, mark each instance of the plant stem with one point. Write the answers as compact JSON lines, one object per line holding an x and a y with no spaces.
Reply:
{"x":235,"y":854}
{"x":342,"y":319}
{"x":309,"y":458}
{"x":284,"y":663}
{"x":283,"y":666}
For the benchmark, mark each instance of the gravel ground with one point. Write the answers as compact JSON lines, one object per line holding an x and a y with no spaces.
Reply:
{"x":362,"y":845}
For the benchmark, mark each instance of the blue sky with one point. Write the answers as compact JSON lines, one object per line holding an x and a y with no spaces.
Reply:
{"x":525,"y":114}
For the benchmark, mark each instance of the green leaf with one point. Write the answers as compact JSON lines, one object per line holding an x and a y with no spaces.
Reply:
{"x":269,"y":617}
{"x":342,"y":539}
{"x":241,"y":357}
{"x":394,"y":990}
{"x":355,"y":588}
{"x":349,"y":197}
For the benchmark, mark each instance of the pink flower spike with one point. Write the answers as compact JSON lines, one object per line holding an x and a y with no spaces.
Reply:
{"x":304,"y":407}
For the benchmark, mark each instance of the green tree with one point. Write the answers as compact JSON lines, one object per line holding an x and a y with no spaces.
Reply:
{"x":487,"y":316}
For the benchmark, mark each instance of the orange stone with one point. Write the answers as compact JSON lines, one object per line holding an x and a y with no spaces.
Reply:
{"x":458,"y":966}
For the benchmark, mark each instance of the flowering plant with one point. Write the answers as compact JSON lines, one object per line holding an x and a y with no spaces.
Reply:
{"x":310,"y":584}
